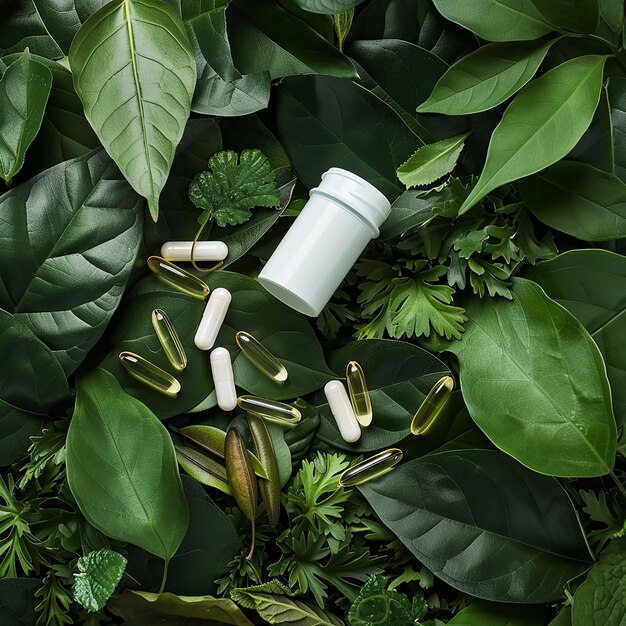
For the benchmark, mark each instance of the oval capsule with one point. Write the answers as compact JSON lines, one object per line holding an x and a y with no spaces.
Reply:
{"x":169,"y":340}
{"x":432,"y":405}
{"x":370,"y":468}
{"x":342,"y":411}
{"x":359,"y":393}
{"x":205,"y":250}
{"x":261,"y":357}
{"x":212,"y":318}
{"x":178,"y":278}
{"x":149,"y":374}
{"x":223,"y":379}
{"x":270,"y":410}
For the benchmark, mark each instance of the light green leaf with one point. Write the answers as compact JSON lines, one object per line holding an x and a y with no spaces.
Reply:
{"x":578,"y":199}
{"x":542,"y":124}
{"x":125,"y":493}
{"x":579,"y":16}
{"x":496,"y":20}
{"x":535,"y":383}
{"x":492,"y":614}
{"x":135,"y":74}
{"x":484,"y":524}
{"x":327,"y":6}
{"x":342,"y":22}
{"x":432,"y":162}
{"x":99,"y":572}
{"x":24,"y":90}
{"x":201,"y":467}
{"x":485,"y":78}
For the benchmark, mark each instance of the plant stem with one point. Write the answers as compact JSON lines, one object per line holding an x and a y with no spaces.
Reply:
{"x":166,"y":564}
{"x":618,"y":483}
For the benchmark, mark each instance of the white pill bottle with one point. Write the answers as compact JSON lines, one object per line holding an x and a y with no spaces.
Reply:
{"x":342,"y":215}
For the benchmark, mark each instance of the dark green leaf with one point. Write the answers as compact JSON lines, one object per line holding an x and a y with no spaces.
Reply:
{"x":24,"y":90}
{"x":135,"y":73}
{"x":17,"y":601}
{"x":579,"y":200}
{"x":73,"y":231}
{"x":317,"y":134}
{"x":486,"y":614}
{"x":99,"y":572}
{"x":122,"y":491}
{"x":617,"y":104}
{"x":484,"y":524}
{"x":535,"y":383}
{"x":327,"y":6}
{"x":16,"y":429}
{"x":542,"y":124}
{"x":579,"y":16}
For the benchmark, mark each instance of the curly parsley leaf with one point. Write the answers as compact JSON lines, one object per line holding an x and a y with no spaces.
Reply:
{"x":232,"y":186}
{"x":99,"y":572}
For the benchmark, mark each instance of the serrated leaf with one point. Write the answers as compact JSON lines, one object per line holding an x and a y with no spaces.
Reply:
{"x":99,"y":572}
{"x":431,"y":162}
{"x":232,"y":186}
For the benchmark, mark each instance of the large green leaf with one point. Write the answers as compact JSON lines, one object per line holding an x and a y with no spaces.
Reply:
{"x":121,"y":468}
{"x":591,"y":284}
{"x":320,"y":123}
{"x":485,"y":78}
{"x":535,"y":383}
{"x":484,"y":524}
{"x":486,"y":614}
{"x":327,"y":6}
{"x":580,"y":16}
{"x":24,"y":90}
{"x":16,"y":429}
{"x":286,"y":333}
{"x":265,"y":37}
{"x":18,"y":602}
{"x":398,"y":374}
{"x":135,"y":73}
{"x":496,"y":20}
{"x":578,"y":199}
{"x":73,"y":233}
{"x":542,"y":124}
{"x":617,"y":104}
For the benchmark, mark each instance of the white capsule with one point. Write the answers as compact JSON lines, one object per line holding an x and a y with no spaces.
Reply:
{"x":212,"y":318}
{"x":223,"y":379}
{"x":205,"y":251}
{"x":342,"y":411}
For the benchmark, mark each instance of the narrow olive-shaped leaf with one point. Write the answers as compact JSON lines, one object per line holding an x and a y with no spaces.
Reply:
{"x":432,"y":162}
{"x":485,"y":78}
{"x":327,"y":6}
{"x":98,"y":574}
{"x":24,"y":90}
{"x":122,"y":470}
{"x":484,"y":524}
{"x":580,"y":16}
{"x":535,"y":383}
{"x":71,"y":236}
{"x":135,"y":73}
{"x":496,"y":20}
{"x":203,"y":468}
{"x":578,"y":199}
{"x":480,"y":613}
{"x":542,"y":124}
{"x":617,"y":103}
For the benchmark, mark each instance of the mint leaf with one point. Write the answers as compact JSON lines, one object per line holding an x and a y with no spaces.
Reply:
{"x":232,"y":186}
{"x":98,"y":575}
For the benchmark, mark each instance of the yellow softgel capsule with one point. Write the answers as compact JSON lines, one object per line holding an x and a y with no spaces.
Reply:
{"x":432,"y":405}
{"x":169,"y":340}
{"x":177,"y":277}
{"x":270,"y":410}
{"x":149,"y":374}
{"x":359,"y":394}
{"x":261,"y":357}
{"x":373,"y":467}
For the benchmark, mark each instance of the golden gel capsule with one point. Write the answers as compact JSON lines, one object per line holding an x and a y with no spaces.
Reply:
{"x":270,"y":410}
{"x":149,"y":374}
{"x":359,"y":394}
{"x":178,"y":278}
{"x":168,"y":338}
{"x":261,"y":357}
{"x":371,"y":468}
{"x":432,"y":405}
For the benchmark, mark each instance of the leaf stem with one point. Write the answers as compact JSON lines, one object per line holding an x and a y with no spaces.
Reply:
{"x":619,"y":484}
{"x":166,"y":565}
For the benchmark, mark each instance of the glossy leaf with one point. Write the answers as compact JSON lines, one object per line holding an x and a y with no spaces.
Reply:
{"x":317,"y":135}
{"x":617,"y":104}
{"x":496,"y":20}
{"x":24,"y":90}
{"x":542,"y":124}
{"x":398,"y":375}
{"x":579,"y":16}
{"x":484,"y":524}
{"x":579,"y":200}
{"x":591,"y":284}
{"x":125,"y":493}
{"x":135,"y":73}
{"x":74,"y":232}
{"x":488,"y":614}
{"x":327,"y":6}
{"x":535,"y":383}
{"x":485,"y":78}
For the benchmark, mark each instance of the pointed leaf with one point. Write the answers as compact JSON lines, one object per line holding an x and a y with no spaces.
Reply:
{"x":99,"y":572}
{"x":135,"y":73}
{"x":579,"y":16}
{"x":542,"y":124}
